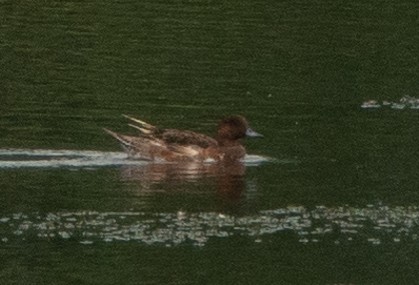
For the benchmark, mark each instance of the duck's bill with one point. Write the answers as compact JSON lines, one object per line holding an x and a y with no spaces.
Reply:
{"x":251,"y":133}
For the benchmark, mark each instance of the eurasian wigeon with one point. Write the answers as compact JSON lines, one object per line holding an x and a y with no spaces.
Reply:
{"x":180,"y":145}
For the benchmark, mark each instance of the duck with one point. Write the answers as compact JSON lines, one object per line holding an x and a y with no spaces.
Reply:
{"x":171,"y":145}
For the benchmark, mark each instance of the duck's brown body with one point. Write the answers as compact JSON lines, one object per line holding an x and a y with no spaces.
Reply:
{"x":180,"y":145}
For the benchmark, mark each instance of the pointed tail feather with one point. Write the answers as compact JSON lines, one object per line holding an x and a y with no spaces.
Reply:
{"x":119,"y":137}
{"x":141,"y":123}
{"x":144,"y":131}
{"x":138,"y":147}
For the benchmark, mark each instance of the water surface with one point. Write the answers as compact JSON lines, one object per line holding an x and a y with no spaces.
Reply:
{"x":329,"y":196}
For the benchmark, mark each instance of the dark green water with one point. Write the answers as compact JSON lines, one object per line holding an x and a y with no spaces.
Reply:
{"x":336,"y":203}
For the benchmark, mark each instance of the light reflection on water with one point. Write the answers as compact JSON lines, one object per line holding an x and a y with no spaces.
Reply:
{"x":229,"y":178}
{"x":373,"y":224}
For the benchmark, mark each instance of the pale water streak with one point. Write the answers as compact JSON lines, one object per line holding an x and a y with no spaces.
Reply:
{"x":18,"y":158}
{"x":373,"y":224}
{"x":406,"y":102}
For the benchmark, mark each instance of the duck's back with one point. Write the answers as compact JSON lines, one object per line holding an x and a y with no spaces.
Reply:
{"x":185,"y":138}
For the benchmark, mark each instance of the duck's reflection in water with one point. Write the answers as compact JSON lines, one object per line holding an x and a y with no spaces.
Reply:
{"x":228,"y":179}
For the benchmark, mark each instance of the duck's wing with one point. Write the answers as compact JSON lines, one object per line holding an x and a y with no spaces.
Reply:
{"x":186,"y":138}
{"x":172,"y":136}
{"x":152,"y":148}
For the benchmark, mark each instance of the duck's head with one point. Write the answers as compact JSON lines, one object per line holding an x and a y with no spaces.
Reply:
{"x":234,"y":128}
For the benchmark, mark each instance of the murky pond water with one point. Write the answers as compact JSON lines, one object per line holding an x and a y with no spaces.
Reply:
{"x":328,"y":196}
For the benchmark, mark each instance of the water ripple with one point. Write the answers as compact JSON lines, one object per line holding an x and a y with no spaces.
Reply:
{"x":18,"y":158}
